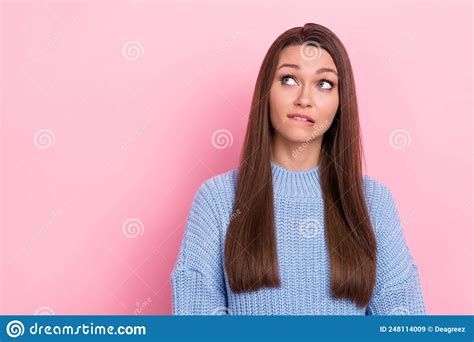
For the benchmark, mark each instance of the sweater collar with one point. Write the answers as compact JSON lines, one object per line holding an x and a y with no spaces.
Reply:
{"x":301,"y":183}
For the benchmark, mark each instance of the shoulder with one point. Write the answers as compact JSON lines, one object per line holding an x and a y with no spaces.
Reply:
{"x":218,"y":185}
{"x":217,"y":193}
{"x":375,"y":190}
{"x":381,"y":205}
{"x":221,"y":181}
{"x":205,"y":217}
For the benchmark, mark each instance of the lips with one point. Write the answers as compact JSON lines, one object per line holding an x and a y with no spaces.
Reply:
{"x":302,"y":117}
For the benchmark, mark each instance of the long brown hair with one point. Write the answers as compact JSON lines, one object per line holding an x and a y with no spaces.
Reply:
{"x":250,"y":252}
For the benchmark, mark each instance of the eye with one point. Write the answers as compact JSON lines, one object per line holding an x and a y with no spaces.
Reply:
{"x":326,"y":84}
{"x":284,"y":79}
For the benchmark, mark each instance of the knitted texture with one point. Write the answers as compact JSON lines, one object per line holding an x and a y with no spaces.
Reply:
{"x":199,"y":280}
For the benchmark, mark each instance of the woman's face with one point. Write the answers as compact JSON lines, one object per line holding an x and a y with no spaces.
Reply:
{"x":305,"y":82}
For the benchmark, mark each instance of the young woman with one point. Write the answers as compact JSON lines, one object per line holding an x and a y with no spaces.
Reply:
{"x":296,"y":229}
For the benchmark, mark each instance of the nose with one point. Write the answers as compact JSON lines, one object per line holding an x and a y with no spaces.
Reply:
{"x":304,"y":97}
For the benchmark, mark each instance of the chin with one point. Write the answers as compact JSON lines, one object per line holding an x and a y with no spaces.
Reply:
{"x":297,"y":137}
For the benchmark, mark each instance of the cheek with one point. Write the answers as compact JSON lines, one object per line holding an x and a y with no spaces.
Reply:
{"x":281,"y":101}
{"x":328,"y":104}
{"x":275,"y":99}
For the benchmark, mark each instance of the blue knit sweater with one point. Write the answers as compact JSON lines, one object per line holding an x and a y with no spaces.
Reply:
{"x":199,"y":280}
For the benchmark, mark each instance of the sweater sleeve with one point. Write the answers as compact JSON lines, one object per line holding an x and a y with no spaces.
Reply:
{"x":398,"y":290}
{"x":197,"y":279}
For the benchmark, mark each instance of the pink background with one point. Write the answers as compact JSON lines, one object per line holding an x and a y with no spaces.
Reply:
{"x":114,"y":113}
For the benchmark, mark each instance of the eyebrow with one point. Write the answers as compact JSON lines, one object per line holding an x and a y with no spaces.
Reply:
{"x":297,"y":67}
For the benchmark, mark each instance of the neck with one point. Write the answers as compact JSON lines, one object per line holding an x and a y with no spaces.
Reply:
{"x":296,"y":155}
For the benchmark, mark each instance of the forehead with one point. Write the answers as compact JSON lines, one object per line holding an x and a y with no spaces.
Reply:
{"x":308,"y":57}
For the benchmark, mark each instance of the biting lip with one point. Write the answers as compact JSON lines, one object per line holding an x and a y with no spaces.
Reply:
{"x":304,"y":116}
